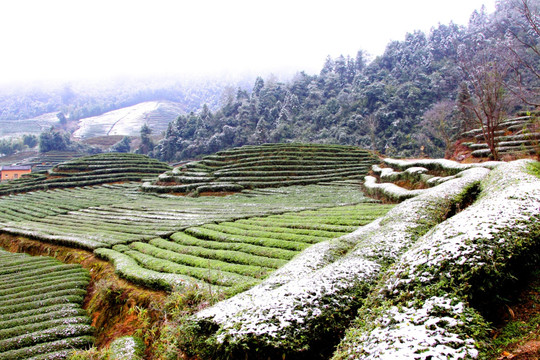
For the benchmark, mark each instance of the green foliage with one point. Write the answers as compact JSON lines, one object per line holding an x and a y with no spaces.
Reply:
{"x":534,"y":168}
{"x":108,"y":215}
{"x":40,"y":307}
{"x":9,"y":147}
{"x":395,"y":90}
{"x":213,"y":276}
{"x":213,"y":235}
{"x":30,"y":140}
{"x":514,"y":331}
{"x":53,"y":140}
{"x":12,"y":145}
{"x":227,"y":255}
{"x":48,"y":349}
{"x":127,"y":348}
{"x":518,"y":330}
{"x":269,"y":165}
{"x":229,"y":251}
{"x":146,"y":141}
{"x":123,"y":146}
{"x":90,"y":170}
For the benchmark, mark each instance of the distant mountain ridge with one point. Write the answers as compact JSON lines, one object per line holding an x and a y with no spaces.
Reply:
{"x":129,"y":120}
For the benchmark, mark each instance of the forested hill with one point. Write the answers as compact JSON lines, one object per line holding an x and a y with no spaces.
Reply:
{"x":400,"y":104}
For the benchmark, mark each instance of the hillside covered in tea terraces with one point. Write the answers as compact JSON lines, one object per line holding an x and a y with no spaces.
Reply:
{"x":270,"y":251}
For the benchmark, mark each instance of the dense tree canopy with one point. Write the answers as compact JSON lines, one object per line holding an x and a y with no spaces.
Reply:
{"x":53,"y":140}
{"x":388,"y":105}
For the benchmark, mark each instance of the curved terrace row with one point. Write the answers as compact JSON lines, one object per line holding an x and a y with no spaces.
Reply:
{"x":269,"y":165}
{"x":89,"y":170}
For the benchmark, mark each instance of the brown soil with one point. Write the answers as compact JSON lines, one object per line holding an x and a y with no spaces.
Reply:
{"x":523,"y":309}
{"x":103,"y":141}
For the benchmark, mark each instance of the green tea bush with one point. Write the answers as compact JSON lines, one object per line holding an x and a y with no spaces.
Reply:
{"x":40,"y":307}
{"x":200,"y":251}
{"x":207,"y":274}
{"x":55,"y":347}
{"x":274,"y":257}
{"x":90,"y":170}
{"x":267,"y":166}
{"x":300,"y":309}
{"x":210,"y":234}
{"x":195,"y":261}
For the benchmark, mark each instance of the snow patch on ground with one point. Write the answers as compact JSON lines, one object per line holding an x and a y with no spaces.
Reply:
{"x":411,"y":332}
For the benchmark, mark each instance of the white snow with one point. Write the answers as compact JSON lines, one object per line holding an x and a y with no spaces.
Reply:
{"x":426,"y":332}
{"x":129,"y":120}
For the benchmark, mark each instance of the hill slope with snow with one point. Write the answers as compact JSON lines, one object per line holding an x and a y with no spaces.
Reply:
{"x":129,"y":120}
{"x":16,"y":128}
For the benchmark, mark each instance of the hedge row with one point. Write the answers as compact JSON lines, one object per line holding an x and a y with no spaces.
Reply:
{"x":60,"y":183}
{"x":206,"y":274}
{"x":201,"y":249}
{"x":285,"y":170}
{"x":41,"y":316}
{"x":129,"y":269}
{"x":49,"y":350}
{"x":273,"y":257}
{"x":40,"y":289}
{"x":214,"y":235}
{"x":46,"y":276}
{"x":287,"y":148}
{"x":47,"y":281}
{"x":271,"y":228}
{"x":296,"y":224}
{"x":195,"y":261}
{"x":90,"y":170}
{"x":300,"y":162}
{"x":234,"y":255}
{"x":107,"y":215}
{"x":272,"y":165}
{"x":468,"y":262}
{"x":40,"y":307}
{"x":228,"y":228}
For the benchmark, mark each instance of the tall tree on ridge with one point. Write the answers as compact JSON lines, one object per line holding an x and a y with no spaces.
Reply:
{"x":485,"y":75}
{"x":146,"y":141}
{"x":520,"y":22}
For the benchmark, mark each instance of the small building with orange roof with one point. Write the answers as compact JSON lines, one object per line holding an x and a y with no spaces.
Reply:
{"x":14,"y":171}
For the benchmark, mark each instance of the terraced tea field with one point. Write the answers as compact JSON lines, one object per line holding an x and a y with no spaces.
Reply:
{"x":108,"y":215}
{"x":129,"y":120}
{"x":235,"y":255}
{"x":163,"y":241}
{"x":89,"y":170}
{"x":40,"y":308}
{"x":263,"y":166}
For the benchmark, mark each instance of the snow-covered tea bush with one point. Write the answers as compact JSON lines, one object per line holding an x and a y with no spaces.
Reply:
{"x":305,"y":305}
{"x":424,"y":308}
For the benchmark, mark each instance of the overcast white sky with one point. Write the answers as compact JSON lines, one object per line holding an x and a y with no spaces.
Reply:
{"x":79,"y":39}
